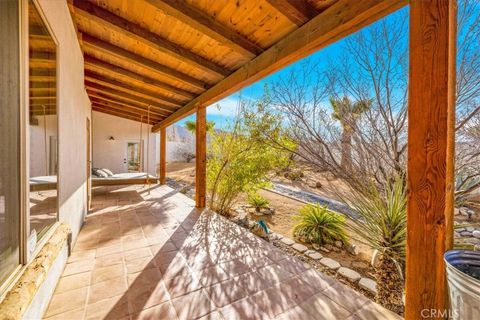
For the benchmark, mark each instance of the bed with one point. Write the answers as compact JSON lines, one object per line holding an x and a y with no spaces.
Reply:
{"x":123,"y":178}
{"x":43,"y":183}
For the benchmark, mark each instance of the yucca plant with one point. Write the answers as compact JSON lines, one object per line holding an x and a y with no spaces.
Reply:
{"x":257,"y":201}
{"x":318,"y":225}
{"x":383,"y":226}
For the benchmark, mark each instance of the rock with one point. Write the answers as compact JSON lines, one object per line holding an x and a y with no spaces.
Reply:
{"x":287,"y":241}
{"x":470,"y":229}
{"x":338,"y":244}
{"x":351,"y":275}
{"x":299,"y":247}
{"x":456,"y":211}
{"x":476,"y":248}
{"x":472,"y":240}
{"x":273,"y":236}
{"x":328,"y":247}
{"x":466,"y":234}
{"x":476,"y":234}
{"x":315,"y":255}
{"x":353,"y":249}
{"x":460,"y":229}
{"x":318,"y":184}
{"x":368,"y":284}
{"x":324,"y":249}
{"x":330,"y":263}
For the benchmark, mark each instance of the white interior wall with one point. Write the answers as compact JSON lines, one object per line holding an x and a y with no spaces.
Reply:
{"x":37,"y":144}
{"x":73,"y":110}
{"x":112,"y":154}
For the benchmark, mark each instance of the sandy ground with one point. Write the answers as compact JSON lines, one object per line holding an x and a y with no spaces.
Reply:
{"x":286,"y":209}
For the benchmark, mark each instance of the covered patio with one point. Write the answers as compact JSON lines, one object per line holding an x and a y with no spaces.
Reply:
{"x":155,"y":256}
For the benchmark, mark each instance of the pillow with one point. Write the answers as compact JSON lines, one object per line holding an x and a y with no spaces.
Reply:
{"x":108,"y":172}
{"x":99,"y":173}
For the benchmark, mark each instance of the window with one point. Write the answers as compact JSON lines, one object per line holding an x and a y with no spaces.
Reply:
{"x":10,"y":127}
{"x":43,"y":128}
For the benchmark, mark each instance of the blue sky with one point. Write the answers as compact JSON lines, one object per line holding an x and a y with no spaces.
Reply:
{"x":229,"y":104}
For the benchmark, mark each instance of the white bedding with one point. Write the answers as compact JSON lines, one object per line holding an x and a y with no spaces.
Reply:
{"x":127,"y":175}
{"x":43,"y":180}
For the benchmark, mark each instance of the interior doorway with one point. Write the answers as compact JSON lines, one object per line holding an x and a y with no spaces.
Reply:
{"x":89,"y":166}
{"x":134,"y":159}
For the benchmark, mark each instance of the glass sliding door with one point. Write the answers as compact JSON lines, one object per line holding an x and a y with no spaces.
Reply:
{"x":43,"y":129}
{"x":10,"y":127}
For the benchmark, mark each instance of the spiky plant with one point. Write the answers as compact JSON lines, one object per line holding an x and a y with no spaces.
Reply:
{"x":318,"y":225}
{"x":191,"y":126}
{"x":257,"y":201}
{"x":383,"y":226}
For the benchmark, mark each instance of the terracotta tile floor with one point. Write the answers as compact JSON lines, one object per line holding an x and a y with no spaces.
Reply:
{"x":142,"y":256}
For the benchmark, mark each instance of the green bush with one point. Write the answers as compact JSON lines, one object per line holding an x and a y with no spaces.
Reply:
{"x":257,"y":201}
{"x":318,"y":225}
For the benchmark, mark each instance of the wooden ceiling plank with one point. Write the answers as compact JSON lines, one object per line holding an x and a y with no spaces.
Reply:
{"x":297,"y":11}
{"x":113,"y":106}
{"x":329,"y":26}
{"x":118,"y":100}
{"x":120,"y":53}
{"x":128,"y":97}
{"x":207,"y":25}
{"x":134,"y":31}
{"x":117,"y":114}
{"x":114,"y":84}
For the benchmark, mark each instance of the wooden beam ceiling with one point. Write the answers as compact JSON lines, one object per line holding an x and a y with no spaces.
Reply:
{"x":206,"y":24}
{"x":115,"y":94}
{"x":327,"y":27}
{"x":120,"y":114}
{"x":297,"y":11}
{"x":135,"y":59}
{"x":132,"y":110}
{"x":134,"y":31}
{"x":126,"y":87}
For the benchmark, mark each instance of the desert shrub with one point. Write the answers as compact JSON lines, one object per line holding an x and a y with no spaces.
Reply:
{"x":239,"y":162}
{"x":257,"y":201}
{"x":318,"y":225}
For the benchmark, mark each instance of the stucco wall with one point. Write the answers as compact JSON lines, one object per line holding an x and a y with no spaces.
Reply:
{"x":73,"y":111}
{"x":111,"y":153}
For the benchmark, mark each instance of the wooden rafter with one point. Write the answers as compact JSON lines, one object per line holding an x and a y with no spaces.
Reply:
{"x":109,"y":98}
{"x":206,"y":24}
{"x":135,"y":59}
{"x":297,"y":11}
{"x":327,"y":27}
{"x":132,"y":110}
{"x":126,"y":96}
{"x":134,"y":31}
{"x":126,"y":87}
{"x":119,"y":114}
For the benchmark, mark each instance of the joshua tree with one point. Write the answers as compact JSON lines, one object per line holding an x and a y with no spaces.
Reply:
{"x":191,"y":126}
{"x":347,"y":113}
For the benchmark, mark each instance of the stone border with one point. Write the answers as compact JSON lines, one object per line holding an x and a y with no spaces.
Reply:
{"x":18,"y":299}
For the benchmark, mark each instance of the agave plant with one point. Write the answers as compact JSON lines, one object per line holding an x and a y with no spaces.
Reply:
{"x":383,"y":226}
{"x":318,"y":225}
{"x":257,"y":201}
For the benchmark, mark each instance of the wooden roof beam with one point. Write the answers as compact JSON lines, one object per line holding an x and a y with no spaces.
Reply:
{"x":207,"y":25}
{"x":118,"y":85}
{"x":126,"y":96}
{"x":119,"y":114}
{"x":107,"y":98}
{"x":115,"y":107}
{"x":130,"y":57}
{"x":327,"y":27}
{"x":297,"y":11}
{"x":134,"y":31}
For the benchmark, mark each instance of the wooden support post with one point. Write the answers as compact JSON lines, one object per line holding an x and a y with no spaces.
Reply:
{"x":431,"y":146}
{"x":163,"y":155}
{"x":201,"y":157}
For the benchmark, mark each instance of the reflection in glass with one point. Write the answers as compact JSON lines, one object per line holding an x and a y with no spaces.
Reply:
{"x":9,"y":139}
{"x":42,"y":127}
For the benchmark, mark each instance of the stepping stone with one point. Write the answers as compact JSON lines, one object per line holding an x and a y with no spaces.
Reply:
{"x":330,"y":263}
{"x":351,"y":275}
{"x":288,"y":241}
{"x":315,"y":255}
{"x":299,"y":247}
{"x":368,"y":284}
